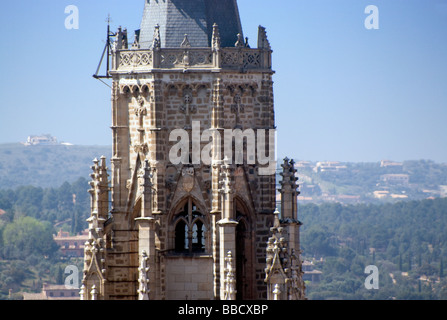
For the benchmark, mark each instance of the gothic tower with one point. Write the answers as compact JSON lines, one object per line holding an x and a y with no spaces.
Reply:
{"x":191,"y":187}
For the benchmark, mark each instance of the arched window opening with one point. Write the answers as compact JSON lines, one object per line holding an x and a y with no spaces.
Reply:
{"x":190,"y":229}
{"x":180,"y":236}
{"x":198,"y":237}
{"x":241,"y":236}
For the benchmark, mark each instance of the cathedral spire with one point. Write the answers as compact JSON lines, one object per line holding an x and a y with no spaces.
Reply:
{"x":284,"y":275}
{"x":284,"y":267}
{"x":288,"y":190}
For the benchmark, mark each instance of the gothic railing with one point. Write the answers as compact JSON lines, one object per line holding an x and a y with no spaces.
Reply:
{"x":131,"y":59}
{"x":139,"y":60}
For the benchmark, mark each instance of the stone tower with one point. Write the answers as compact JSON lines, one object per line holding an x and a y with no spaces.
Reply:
{"x":189,"y":204}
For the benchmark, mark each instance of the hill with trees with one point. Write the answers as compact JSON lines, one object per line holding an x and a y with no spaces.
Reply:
{"x":46,"y":165}
{"x":373,"y":182}
{"x":30,"y":217}
{"x":44,"y":189}
{"x":407,"y":241}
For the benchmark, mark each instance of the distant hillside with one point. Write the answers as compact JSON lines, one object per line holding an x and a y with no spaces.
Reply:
{"x":46,"y":166}
{"x":405,"y":240}
{"x":51,"y":165}
{"x":371,"y":182}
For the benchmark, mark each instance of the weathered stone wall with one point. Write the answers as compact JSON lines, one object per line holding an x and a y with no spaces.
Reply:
{"x":189,"y":278}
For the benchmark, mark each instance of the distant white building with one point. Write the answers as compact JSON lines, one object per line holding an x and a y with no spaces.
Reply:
{"x":389,"y":163}
{"x":396,"y":179}
{"x":332,"y":166}
{"x":310,"y":273}
{"x":47,"y":140}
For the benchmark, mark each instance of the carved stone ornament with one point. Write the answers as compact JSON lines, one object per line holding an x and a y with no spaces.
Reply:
{"x":156,"y":43}
{"x":216,"y":37}
{"x":240,"y":41}
{"x":188,"y":179}
{"x":140,"y":109}
{"x":185,"y":43}
{"x":141,"y":148}
{"x":230,"y":278}
{"x":143,"y":279}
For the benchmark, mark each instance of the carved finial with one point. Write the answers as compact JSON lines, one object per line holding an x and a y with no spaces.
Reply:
{"x":276,"y":224}
{"x":185,"y":42}
{"x":82,"y":293}
{"x":156,"y":43}
{"x":136,"y":43}
{"x":216,"y":37}
{"x":263,"y":42}
{"x":276,"y":292}
{"x":289,"y":175}
{"x":121,"y":39}
{"x":240,"y":41}
{"x":94,"y":293}
{"x":125,"y":42}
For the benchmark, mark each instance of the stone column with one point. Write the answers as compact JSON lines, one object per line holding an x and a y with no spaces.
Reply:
{"x":227,"y":225}
{"x":146,"y":233}
{"x":146,"y":243}
{"x":230,"y":279}
{"x":216,"y":163}
{"x":215,"y":217}
{"x":158,"y":153}
{"x":227,"y":237}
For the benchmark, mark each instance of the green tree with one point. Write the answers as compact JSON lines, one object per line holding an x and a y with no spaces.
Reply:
{"x":59,"y":275}
{"x":27,"y":236}
{"x":318,"y":243}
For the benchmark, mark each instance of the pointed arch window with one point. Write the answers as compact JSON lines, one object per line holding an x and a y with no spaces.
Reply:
{"x":190,"y":229}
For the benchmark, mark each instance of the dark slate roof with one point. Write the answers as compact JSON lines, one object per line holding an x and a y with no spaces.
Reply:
{"x":192,"y":17}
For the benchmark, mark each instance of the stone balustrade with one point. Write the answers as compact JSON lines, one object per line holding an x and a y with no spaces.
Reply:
{"x":138,"y":60}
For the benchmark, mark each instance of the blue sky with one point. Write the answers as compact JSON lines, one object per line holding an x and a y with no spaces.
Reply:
{"x":342,"y":92}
